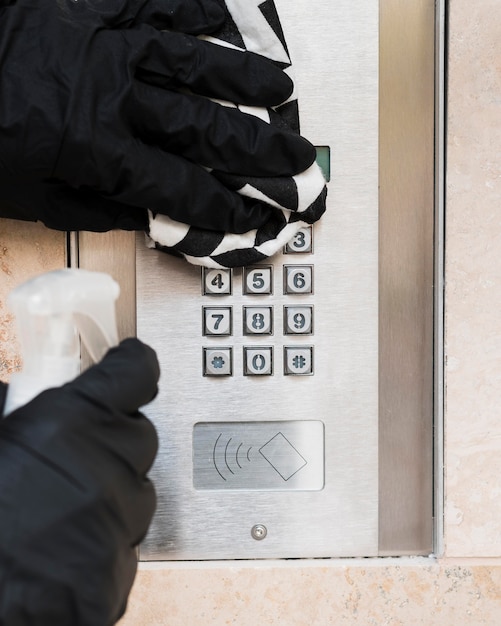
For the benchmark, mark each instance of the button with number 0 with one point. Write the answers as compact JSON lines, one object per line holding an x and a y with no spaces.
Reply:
{"x":217,"y":320}
{"x":298,"y":279}
{"x":301,"y":243}
{"x":298,"y":320}
{"x":258,"y":280}
{"x":258,"y":361}
{"x":216,"y":282}
{"x":258,"y":320}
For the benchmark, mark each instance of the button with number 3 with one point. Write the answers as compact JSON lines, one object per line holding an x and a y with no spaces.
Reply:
{"x":301,"y":243}
{"x":258,"y":320}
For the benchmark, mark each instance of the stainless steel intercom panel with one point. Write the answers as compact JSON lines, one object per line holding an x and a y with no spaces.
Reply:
{"x":268,"y":408}
{"x":296,"y":404}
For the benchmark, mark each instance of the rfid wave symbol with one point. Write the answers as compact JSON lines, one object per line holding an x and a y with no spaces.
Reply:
{"x":279,"y":452}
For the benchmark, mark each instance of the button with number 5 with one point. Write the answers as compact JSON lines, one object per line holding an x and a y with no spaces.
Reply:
{"x":258,"y":280}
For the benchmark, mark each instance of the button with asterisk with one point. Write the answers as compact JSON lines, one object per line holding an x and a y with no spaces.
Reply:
{"x":217,"y":362}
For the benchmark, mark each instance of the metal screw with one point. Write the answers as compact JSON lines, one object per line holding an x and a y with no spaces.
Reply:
{"x":259,"y":532}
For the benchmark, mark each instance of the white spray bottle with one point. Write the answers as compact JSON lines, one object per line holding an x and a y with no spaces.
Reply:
{"x":51,"y":312}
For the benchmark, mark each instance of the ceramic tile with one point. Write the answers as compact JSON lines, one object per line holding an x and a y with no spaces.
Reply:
{"x":26,"y":249}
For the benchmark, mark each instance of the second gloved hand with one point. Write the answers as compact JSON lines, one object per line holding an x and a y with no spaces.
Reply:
{"x":74,"y":496}
{"x":96,"y":97}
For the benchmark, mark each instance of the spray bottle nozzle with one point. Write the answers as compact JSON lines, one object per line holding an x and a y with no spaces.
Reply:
{"x":51,"y":311}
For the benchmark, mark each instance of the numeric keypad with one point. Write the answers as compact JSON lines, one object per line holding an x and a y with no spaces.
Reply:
{"x":294,"y":319}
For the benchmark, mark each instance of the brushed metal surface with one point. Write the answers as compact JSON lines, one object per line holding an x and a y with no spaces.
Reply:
{"x":112,"y":252}
{"x":257,"y":456}
{"x":335,"y":50}
{"x":337,"y":80}
{"x":407,"y":92}
{"x":439,"y":322}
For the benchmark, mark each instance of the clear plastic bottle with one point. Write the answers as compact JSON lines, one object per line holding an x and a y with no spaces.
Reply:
{"x":53,"y":312}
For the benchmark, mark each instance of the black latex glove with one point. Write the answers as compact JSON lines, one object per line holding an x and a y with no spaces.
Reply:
{"x":89,"y":97}
{"x":74,"y":497}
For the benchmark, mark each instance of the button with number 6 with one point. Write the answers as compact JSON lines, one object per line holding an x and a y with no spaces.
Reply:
{"x":298,"y":279}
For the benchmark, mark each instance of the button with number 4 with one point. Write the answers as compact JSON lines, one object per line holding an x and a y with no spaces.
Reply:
{"x":298,"y":320}
{"x":258,"y":280}
{"x":298,"y":279}
{"x":258,"y":320}
{"x":216,"y":282}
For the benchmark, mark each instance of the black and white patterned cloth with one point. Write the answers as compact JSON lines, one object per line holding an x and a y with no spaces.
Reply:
{"x":297,"y":201}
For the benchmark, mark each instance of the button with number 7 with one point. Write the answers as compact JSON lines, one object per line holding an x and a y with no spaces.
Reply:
{"x":217,"y":320}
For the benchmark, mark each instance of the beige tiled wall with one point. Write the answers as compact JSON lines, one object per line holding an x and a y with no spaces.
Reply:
{"x":459,"y":588}
{"x":473,"y":274}
{"x":26,"y":249}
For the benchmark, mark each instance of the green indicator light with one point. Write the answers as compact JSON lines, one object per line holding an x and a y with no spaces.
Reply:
{"x":324,"y":160}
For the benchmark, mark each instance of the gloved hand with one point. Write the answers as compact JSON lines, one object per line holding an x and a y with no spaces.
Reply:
{"x":74,"y":497}
{"x":95,"y":97}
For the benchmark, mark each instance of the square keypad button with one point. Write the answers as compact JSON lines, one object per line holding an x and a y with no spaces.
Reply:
{"x":298,"y":360}
{"x":301,"y":243}
{"x":258,"y":280}
{"x":298,"y":320}
{"x":216,"y":282}
{"x":218,"y":362}
{"x":258,"y":320}
{"x":217,"y":320}
{"x":298,"y":279}
{"x":258,"y":361}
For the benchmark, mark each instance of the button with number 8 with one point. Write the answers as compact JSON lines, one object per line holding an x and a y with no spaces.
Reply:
{"x":258,"y":320}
